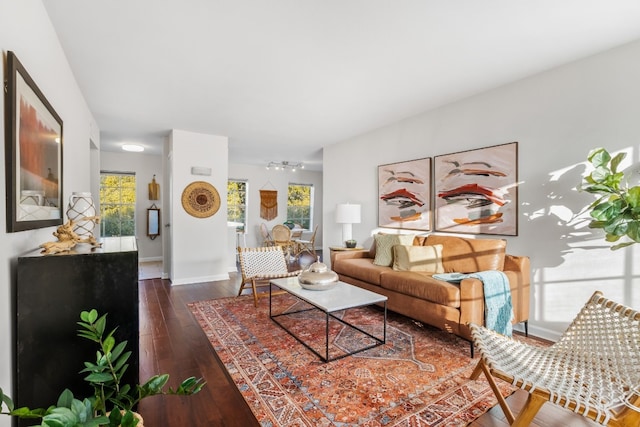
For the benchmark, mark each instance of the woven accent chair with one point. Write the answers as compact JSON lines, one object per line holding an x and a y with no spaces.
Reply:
{"x":259,"y":265}
{"x":593,"y":370}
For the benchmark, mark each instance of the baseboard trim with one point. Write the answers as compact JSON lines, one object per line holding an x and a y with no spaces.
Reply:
{"x":150,"y":259}
{"x":203,"y":279}
{"x":539,"y":332}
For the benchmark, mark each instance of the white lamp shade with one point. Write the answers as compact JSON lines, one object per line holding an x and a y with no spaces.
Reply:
{"x":348,"y":214}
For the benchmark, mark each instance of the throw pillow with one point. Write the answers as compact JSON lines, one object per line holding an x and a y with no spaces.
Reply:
{"x":385,"y":244}
{"x":427,"y":259}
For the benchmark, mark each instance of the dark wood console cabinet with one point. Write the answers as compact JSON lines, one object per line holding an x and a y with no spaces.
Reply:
{"x":50,"y":292}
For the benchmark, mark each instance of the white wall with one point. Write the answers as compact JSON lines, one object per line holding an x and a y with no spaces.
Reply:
{"x":260,"y":178}
{"x":557,"y":117}
{"x":145,"y":166}
{"x":199,"y":245}
{"x":26,"y":30}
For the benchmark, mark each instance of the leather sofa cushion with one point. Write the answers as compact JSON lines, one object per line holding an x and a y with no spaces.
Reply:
{"x":360,"y":268}
{"x":421,"y":285}
{"x":460,"y":255}
{"x":418,"y":258}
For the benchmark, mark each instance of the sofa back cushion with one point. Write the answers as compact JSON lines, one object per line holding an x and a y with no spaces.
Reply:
{"x":385,"y":244}
{"x":418,"y":258}
{"x":460,"y":255}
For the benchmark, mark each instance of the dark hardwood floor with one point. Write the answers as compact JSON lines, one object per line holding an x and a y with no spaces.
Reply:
{"x":172,"y":342}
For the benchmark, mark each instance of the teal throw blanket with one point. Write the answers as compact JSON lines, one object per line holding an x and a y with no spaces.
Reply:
{"x":498,"y":309}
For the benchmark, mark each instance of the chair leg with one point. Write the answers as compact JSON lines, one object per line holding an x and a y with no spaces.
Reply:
{"x":242,"y":287}
{"x":482,"y":367}
{"x":255,"y":293}
{"x":528,"y":413}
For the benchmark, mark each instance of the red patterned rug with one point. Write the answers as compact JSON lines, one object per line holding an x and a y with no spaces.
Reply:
{"x":420,"y":377}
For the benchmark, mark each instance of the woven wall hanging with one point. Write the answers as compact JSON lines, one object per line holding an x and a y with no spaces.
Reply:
{"x":200,"y":199}
{"x":268,"y":204}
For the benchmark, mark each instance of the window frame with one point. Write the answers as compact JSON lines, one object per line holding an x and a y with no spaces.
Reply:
{"x":104,"y":204}
{"x":311,"y":204}
{"x":244,"y":206}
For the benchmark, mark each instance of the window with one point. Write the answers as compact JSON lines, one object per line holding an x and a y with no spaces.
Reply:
{"x":117,"y":204}
{"x":237,"y":203}
{"x":300,"y":205}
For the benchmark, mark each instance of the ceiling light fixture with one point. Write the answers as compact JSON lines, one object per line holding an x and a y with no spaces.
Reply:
{"x":133,"y":147}
{"x":285,"y":165}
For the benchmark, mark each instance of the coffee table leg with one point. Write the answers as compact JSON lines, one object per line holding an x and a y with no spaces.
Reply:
{"x":384,"y":328}
{"x":270,"y":286}
{"x":326,"y":359}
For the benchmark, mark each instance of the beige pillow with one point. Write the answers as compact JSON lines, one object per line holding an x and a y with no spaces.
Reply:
{"x":418,"y":258}
{"x":385,"y":244}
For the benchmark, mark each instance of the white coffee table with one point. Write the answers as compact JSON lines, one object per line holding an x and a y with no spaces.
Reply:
{"x":341,"y":297}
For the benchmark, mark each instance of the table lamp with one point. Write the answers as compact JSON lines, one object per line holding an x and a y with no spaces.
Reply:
{"x":347,"y":214}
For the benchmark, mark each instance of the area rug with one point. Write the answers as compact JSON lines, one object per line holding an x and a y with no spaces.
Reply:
{"x":419,"y":377}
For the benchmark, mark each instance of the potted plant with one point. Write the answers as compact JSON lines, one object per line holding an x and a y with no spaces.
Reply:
{"x":112,"y":402}
{"x":617,"y":210}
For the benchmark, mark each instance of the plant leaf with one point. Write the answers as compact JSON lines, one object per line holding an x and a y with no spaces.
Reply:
{"x":99,"y":377}
{"x":599,"y":157}
{"x":621,"y":245}
{"x":154,"y":384}
{"x":633,"y":231}
{"x":600,"y":173}
{"x":66,"y":399}
{"x":615,"y":162}
{"x":633,"y":197}
{"x":117,"y":351}
{"x":189,"y":386}
{"x":607,"y":210}
{"x":6,"y":400}
{"x":108,"y":344}
{"x":60,"y":417}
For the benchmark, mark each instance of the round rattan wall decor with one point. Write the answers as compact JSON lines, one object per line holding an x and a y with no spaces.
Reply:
{"x":200,"y":199}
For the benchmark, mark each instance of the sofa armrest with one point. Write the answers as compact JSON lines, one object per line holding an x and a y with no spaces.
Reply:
{"x":471,"y":304}
{"x":518,"y":270}
{"x":340,"y":255}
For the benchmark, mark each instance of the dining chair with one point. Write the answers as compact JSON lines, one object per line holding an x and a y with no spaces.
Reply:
{"x":296,"y":231}
{"x":281,"y":235}
{"x":267,"y":240}
{"x":302,"y":245}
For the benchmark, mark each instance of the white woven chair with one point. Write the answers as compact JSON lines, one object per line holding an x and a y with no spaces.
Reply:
{"x":266,"y":236}
{"x":307,"y":245}
{"x":259,"y":265}
{"x":593,"y":370}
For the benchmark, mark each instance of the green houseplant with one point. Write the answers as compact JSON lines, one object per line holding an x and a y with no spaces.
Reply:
{"x":112,"y":401}
{"x":617,"y":210}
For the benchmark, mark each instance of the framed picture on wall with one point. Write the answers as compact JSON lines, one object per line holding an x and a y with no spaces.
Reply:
{"x":33,"y":153}
{"x":476,"y":191}
{"x":404,"y":195}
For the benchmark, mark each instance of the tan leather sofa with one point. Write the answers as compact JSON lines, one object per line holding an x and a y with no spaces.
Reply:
{"x":445,"y":305}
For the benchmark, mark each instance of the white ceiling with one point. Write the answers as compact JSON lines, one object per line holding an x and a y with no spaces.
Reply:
{"x":283,"y":78}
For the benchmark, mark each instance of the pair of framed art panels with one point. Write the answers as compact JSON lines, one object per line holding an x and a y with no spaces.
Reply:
{"x":474,"y":192}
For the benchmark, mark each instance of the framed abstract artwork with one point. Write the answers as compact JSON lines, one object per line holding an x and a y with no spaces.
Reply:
{"x":33,"y":153}
{"x":404,"y":195}
{"x":476,"y":191}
